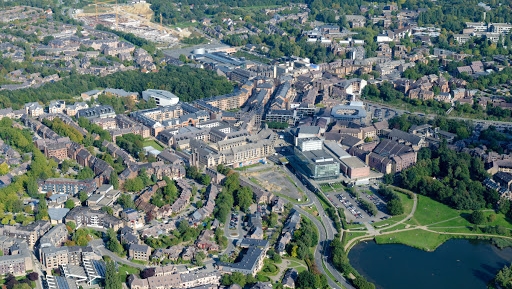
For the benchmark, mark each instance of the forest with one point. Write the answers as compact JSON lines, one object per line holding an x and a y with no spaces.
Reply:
{"x":449,"y":177}
{"x":197,"y":84}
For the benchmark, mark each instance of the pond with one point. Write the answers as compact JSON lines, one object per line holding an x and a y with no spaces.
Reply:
{"x":458,"y":263}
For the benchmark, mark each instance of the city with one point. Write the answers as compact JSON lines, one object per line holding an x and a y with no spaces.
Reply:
{"x":154,"y":145}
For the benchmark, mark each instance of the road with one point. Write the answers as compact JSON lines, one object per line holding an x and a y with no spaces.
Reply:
{"x":326,"y":232}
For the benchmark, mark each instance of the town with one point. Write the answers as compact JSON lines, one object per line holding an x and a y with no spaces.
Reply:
{"x":246,"y":152}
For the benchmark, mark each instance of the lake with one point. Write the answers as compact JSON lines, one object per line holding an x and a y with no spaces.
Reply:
{"x":458,"y":263}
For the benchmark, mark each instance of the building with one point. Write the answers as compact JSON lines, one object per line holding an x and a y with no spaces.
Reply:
{"x":350,"y":166}
{"x":55,"y":237}
{"x":252,"y":259}
{"x":83,"y":216}
{"x":17,"y":259}
{"x":161,"y":97}
{"x":52,"y":257}
{"x":57,"y":106}
{"x":73,"y":109}
{"x":102,"y":111}
{"x":316,"y":164}
{"x":139,"y":252}
{"x":34,"y":109}
{"x":504,"y":179}
{"x":30,"y":233}
{"x":355,"y":111}
{"x":66,"y":186}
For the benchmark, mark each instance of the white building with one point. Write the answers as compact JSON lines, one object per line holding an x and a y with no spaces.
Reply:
{"x":161,"y":97}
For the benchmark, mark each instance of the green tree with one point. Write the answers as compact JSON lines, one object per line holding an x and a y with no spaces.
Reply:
{"x":114,"y":180}
{"x":134,"y":185}
{"x":85,"y":173}
{"x":4,"y":169}
{"x":395,"y":207}
{"x":112,"y":280}
{"x":69,"y":204}
{"x":244,"y":198}
{"x":477,"y":217}
{"x":82,"y":196}
{"x":126,"y":201}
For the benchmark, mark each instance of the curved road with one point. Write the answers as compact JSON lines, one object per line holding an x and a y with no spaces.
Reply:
{"x":326,"y":232}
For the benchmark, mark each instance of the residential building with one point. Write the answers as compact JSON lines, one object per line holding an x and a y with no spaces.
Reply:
{"x":34,"y":109}
{"x":83,"y":216}
{"x":66,"y":186}
{"x":102,"y":111}
{"x":54,"y":237}
{"x":139,"y":252}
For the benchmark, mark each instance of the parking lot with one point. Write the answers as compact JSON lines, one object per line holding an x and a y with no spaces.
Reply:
{"x":353,"y":211}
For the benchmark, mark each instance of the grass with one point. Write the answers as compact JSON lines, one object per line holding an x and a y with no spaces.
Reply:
{"x":429,"y":212}
{"x":153,"y":143}
{"x":395,"y":228}
{"x":353,"y":235}
{"x":269,"y":269}
{"x":326,"y":188}
{"x":337,"y":186}
{"x":501,"y":220}
{"x":247,"y":167}
{"x":255,"y":181}
{"x":461,"y":230}
{"x":125,"y":270}
{"x":416,"y":238}
{"x":296,"y":263}
{"x":454,"y":222}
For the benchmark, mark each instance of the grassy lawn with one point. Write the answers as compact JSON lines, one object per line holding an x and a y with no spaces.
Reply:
{"x":417,"y":238}
{"x":337,"y":186}
{"x":353,"y":235}
{"x":125,"y":270}
{"x":297,"y":265}
{"x":398,"y":227}
{"x":247,"y":167}
{"x":269,"y":269}
{"x":461,"y":230}
{"x":429,"y":212}
{"x":326,"y":188}
{"x":153,"y":143}
{"x":501,"y":220}
{"x":456,"y":222}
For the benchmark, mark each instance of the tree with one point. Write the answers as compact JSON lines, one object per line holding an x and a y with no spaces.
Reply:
{"x":114,"y":180}
{"x":71,"y":226}
{"x":113,"y":244}
{"x":69,"y":204}
{"x":126,"y":201}
{"x":32,"y":276}
{"x":85,"y":173}
{"x":305,"y":280}
{"x":4,"y":169}
{"x":395,"y":207}
{"x":112,"y":280}
{"x":477,"y":217}
{"x":82,"y":196}
{"x":244,"y":198}
{"x":134,"y":185}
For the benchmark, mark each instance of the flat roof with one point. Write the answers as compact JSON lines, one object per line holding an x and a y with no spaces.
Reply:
{"x":336,"y":149}
{"x":354,"y":162}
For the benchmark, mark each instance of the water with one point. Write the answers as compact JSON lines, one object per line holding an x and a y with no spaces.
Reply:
{"x":455,"y":264}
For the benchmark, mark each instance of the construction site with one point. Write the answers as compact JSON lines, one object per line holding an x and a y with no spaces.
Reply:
{"x":133,"y":18}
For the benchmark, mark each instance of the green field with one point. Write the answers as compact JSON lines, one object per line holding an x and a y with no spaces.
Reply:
{"x":416,"y":238}
{"x":337,"y":186}
{"x":398,"y":227}
{"x":352,"y":235}
{"x":125,"y":271}
{"x":429,"y":212}
{"x":153,"y":143}
{"x":326,"y":188}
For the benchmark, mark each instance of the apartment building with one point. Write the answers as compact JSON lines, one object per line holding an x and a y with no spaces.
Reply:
{"x":30,"y":233}
{"x":66,"y":186}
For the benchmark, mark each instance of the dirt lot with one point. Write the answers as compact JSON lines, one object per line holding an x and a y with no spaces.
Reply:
{"x":273,"y":179}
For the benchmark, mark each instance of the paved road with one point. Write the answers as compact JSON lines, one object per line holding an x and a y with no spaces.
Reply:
{"x":326,"y":232}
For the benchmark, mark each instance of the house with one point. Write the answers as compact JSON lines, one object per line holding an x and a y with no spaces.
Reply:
{"x":139,"y":252}
{"x":290,"y":276}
